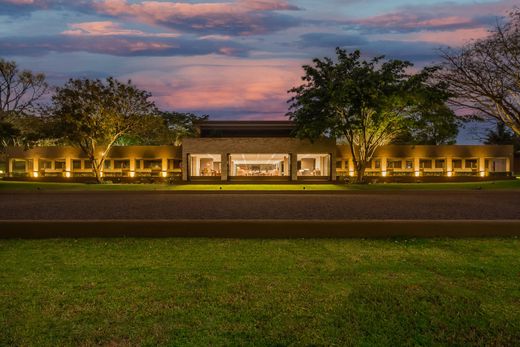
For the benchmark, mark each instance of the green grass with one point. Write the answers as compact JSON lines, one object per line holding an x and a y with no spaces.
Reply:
{"x":45,"y":186}
{"x":201,"y":292}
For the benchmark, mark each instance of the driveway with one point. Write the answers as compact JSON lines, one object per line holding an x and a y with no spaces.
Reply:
{"x":406,"y":205}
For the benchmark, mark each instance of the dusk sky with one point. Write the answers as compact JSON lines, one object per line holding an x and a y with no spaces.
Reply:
{"x":234,"y":59}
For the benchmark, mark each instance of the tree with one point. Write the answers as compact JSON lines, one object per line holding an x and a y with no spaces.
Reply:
{"x":19,"y":89}
{"x":434,"y":123}
{"x":501,"y":135}
{"x":368,"y":103}
{"x":180,"y":125}
{"x":94,"y":114}
{"x":484,"y":76}
{"x":19,"y":92}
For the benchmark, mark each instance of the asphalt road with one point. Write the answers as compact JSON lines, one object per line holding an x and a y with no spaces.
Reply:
{"x":449,"y":205}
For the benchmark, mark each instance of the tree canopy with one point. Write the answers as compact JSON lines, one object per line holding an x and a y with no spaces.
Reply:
{"x":94,"y":114}
{"x":368,"y":103}
{"x":484,"y":75}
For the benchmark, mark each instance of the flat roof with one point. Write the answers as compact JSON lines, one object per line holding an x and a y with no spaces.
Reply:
{"x":249,"y":128}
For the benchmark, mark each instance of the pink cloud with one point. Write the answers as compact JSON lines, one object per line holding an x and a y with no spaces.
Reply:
{"x":108,"y":28}
{"x":254,"y":87}
{"x":450,"y":38}
{"x":242,"y":17}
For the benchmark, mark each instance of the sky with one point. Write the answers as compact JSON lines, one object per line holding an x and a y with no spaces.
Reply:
{"x":233,"y":59}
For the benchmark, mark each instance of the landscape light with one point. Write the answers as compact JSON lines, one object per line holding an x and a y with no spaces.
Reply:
{"x":417,"y":173}
{"x":67,"y":174}
{"x":383,"y":173}
{"x":351,"y":173}
{"x":131,"y":174}
{"x":449,"y":174}
{"x":35,"y":174}
{"x":164,"y":174}
{"x":482,"y":173}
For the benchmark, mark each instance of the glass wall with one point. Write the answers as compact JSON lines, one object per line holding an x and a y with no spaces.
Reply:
{"x":205,"y":165}
{"x":259,"y":165}
{"x":313,"y":164}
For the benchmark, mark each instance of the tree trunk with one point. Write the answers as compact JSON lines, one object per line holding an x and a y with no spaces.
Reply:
{"x":97,"y":169}
{"x":360,"y":173}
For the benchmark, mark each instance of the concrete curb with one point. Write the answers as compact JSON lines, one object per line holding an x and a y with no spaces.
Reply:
{"x":258,"y":228}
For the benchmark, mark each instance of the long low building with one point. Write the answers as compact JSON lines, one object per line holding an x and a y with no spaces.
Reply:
{"x":241,"y":151}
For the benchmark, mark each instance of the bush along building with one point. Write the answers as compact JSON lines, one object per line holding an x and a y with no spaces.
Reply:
{"x":261,"y":151}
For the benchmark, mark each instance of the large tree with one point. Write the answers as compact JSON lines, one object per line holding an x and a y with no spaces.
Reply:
{"x":20,"y":90}
{"x":367,"y":103}
{"x":94,"y":114}
{"x":484,"y":75}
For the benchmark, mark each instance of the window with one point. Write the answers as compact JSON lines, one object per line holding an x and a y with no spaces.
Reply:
{"x":138,"y":164}
{"x":19,"y":165}
{"x":76,"y":164}
{"x":409,"y":164}
{"x":107,"y":164}
{"x":313,"y":164}
{"x":425,"y":163}
{"x":204,"y":165}
{"x":174,"y":164}
{"x":339,"y":164}
{"x":457,"y":163}
{"x":259,"y":164}
{"x":121,"y":164}
{"x":394,"y":164}
{"x":377,"y":163}
{"x":470,"y":163}
{"x":45,"y":164}
{"x":59,"y":164}
{"x":440,"y":163}
{"x":155,"y":164}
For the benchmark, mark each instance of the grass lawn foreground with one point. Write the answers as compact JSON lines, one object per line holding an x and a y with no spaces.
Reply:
{"x":48,"y":186}
{"x":224,"y":292}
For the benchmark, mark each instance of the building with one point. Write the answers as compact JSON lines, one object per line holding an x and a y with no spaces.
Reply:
{"x":262,"y":151}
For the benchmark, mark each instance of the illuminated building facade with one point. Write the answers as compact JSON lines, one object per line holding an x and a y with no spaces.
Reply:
{"x":258,"y":151}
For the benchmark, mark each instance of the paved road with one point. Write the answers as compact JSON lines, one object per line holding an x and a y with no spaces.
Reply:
{"x":351,"y":205}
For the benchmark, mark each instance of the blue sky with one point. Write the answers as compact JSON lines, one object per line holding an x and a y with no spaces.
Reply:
{"x":232,"y":59}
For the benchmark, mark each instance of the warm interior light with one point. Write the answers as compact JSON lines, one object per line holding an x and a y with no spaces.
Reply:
{"x":35,"y":174}
{"x":131,"y":173}
{"x":67,"y":174}
{"x":449,"y":173}
{"x":164,"y":174}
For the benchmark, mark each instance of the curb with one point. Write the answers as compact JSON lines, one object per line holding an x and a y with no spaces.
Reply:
{"x":36,"y":229}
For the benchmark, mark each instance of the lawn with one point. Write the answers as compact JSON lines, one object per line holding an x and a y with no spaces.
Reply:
{"x":45,"y":186}
{"x":216,"y":292}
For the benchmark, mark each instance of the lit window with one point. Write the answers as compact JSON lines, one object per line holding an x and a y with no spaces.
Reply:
{"x":377,"y":163}
{"x":205,"y":165}
{"x":425,"y":163}
{"x":313,"y":164}
{"x":409,"y":164}
{"x":470,"y":163}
